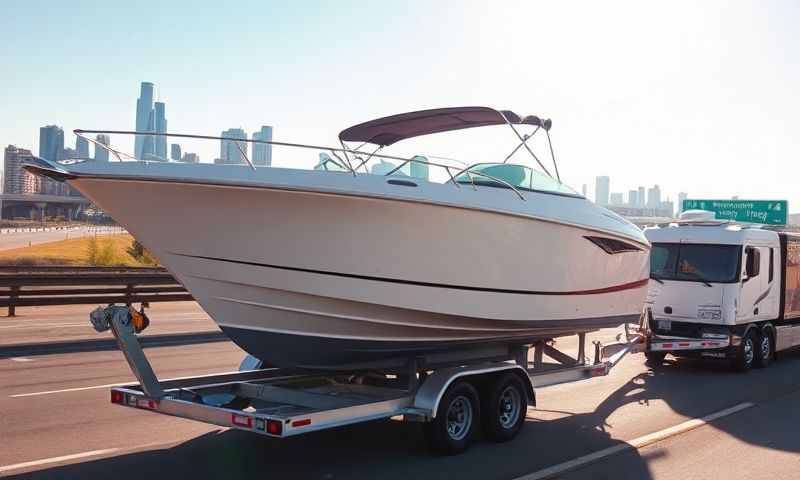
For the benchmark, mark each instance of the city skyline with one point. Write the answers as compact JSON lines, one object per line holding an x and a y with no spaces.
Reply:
{"x":637,"y":121}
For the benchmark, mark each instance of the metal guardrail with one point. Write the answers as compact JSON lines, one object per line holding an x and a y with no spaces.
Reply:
{"x":26,"y":286}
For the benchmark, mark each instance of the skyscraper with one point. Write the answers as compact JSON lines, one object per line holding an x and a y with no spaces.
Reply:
{"x":229,"y":152}
{"x":641,"y":197}
{"x":144,"y":112}
{"x":602,"y":187}
{"x":100,"y":153}
{"x":191,"y":158}
{"x":583,"y":190}
{"x":633,"y":198}
{"x":175,"y":152}
{"x":81,"y":147}
{"x":262,"y":152}
{"x":51,"y":143}
{"x":654,"y":197}
{"x":617,"y":198}
{"x":160,"y":126}
{"x":15,"y":178}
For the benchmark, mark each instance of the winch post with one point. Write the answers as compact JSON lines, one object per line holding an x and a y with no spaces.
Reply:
{"x":140,"y":366}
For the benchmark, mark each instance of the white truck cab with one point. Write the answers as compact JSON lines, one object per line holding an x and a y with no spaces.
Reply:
{"x":723,"y":290}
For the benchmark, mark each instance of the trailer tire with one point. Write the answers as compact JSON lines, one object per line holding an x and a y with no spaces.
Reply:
{"x":765,"y":349}
{"x":654,"y":359}
{"x":504,"y":407}
{"x":746,"y":353}
{"x":452,"y":430}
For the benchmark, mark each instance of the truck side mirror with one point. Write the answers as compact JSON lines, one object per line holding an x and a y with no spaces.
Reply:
{"x":753,"y":265}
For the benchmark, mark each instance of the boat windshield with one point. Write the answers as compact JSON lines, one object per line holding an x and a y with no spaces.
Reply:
{"x":695,"y":262}
{"x":518,"y":176}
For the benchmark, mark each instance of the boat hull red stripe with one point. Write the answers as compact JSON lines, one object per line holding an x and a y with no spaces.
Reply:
{"x":612,"y":289}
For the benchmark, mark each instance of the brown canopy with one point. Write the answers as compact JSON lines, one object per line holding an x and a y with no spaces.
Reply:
{"x":388,"y":130}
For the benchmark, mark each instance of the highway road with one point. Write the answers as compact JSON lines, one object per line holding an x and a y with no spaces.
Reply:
{"x":9,"y":241}
{"x":683,"y":420}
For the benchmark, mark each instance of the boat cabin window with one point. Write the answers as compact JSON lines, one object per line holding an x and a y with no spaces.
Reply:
{"x":519,"y":176}
{"x":695,"y":262}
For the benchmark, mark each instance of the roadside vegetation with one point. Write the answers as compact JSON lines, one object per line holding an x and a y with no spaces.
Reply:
{"x":100,"y":251}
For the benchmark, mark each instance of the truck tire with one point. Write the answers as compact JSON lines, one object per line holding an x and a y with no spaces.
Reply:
{"x":503,"y":408}
{"x":764,"y":349}
{"x":746,"y":353}
{"x":452,"y":430}
{"x":654,"y":359}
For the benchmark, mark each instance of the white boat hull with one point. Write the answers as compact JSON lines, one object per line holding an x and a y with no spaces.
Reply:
{"x":300,"y":276}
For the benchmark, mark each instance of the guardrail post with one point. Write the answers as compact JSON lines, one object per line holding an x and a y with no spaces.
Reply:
{"x":128,"y":294}
{"x":12,"y":309}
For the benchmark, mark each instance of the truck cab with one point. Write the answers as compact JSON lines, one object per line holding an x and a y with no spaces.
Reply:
{"x":713,"y":284}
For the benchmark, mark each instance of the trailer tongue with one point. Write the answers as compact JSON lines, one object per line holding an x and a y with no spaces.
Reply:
{"x":450,"y":394}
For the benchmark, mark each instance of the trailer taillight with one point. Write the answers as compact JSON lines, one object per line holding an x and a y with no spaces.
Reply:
{"x":117,"y":397}
{"x":301,"y":423}
{"x":274,"y":427}
{"x":242,"y":420}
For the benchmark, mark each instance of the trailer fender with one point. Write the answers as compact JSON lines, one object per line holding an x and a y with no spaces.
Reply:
{"x":433,"y":388}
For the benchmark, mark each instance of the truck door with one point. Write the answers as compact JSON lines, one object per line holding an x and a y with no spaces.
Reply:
{"x":752,"y":287}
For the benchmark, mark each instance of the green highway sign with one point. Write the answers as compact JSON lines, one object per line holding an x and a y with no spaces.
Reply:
{"x":769,"y":212}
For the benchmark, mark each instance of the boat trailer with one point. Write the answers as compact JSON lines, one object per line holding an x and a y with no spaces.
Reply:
{"x":443,"y":391}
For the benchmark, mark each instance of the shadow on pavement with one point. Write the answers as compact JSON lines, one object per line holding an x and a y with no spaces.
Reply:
{"x":388,"y":449}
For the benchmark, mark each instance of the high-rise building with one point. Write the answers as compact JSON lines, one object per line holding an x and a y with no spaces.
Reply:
{"x":641,"y":197}
{"x":175,"y":152}
{"x":583,"y":190}
{"x":82,"y":147}
{"x":602,"y":187}
{"x":617,"y":199}
{"x":144,"y":113}
{"x":633,"y":198}
{"x":15,"y":178}
{"x":229,"y":152}
{"x":681,"y":197}
{"x":654,"y":197}
{"x":262,"y":152}
{"x":51,"y":143}
{"x":160,"y":126}
{"x":100,"y":153}
{"x":190,"y":158}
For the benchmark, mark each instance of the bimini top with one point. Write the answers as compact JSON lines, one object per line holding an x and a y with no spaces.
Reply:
{"x":388,"y":130}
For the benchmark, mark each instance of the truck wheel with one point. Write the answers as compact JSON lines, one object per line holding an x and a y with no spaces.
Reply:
{"x":654,"y":359}
{"x":454,"y":426}
{"x":746,"y":353}
{"x":764,"y":350}
{"x":504,"y":408}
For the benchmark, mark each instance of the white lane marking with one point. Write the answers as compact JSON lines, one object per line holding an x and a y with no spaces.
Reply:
{"x":20,"y":359}
{"x":63,"y":458}
{"x":634,"y":444}
{"x":109,"y":385}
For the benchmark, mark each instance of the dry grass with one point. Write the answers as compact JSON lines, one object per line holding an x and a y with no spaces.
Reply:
{"x":75,"y":251}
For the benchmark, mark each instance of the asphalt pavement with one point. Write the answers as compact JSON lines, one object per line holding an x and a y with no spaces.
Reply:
{"x":683,"y":420}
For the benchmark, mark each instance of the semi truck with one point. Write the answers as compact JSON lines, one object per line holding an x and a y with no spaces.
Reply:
{"x":722,"y":290}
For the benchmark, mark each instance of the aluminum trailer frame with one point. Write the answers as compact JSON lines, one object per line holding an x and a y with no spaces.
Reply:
{"x":283,"y":403}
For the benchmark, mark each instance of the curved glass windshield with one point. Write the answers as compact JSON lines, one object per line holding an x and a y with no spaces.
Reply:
{"x":519,"y":176}
{"x":695,"y":262}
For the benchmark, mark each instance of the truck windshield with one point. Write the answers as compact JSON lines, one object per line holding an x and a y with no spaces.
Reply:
{"x":695,"y":262}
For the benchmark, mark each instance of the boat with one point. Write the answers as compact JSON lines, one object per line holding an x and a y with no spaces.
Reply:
{"x":338,"y":268}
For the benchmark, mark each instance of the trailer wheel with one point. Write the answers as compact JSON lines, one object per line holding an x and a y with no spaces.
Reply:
{"x":504,"y":408}
{"x":654,"y":359}
{"x":454,"y":426}
{"x":746,"y":353}
{"x":764,"y":350}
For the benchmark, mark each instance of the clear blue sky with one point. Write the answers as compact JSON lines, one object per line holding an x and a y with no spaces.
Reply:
{"x":696,"y":96}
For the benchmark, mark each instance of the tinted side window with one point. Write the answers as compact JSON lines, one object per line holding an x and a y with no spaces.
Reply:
{"x":771,"y":263}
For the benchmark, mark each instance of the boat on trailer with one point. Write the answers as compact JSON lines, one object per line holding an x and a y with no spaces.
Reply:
{"x":338,"y":268}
